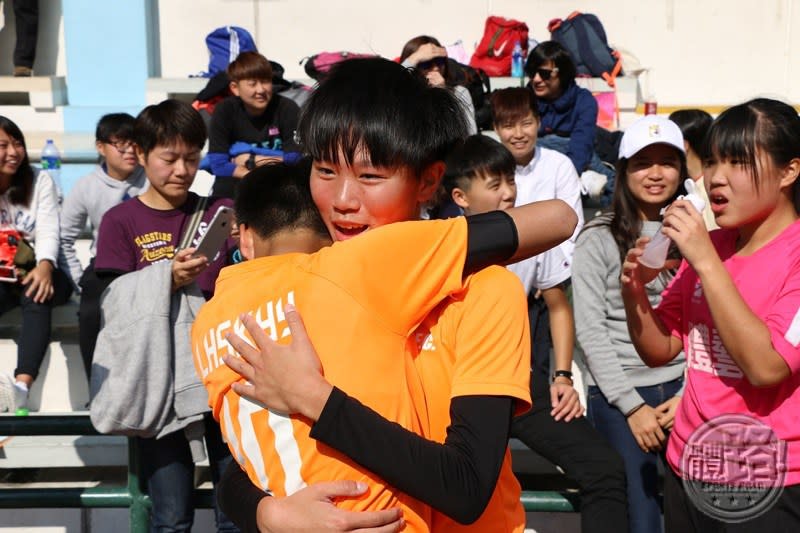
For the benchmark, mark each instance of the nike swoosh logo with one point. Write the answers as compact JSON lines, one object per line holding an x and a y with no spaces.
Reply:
{"x":499,"y":50}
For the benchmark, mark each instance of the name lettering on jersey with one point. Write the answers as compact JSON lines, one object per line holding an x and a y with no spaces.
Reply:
{"x":270,"y":316}
{"x":706,"y":353}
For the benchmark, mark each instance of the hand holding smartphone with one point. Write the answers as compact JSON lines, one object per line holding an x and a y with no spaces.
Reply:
{"x":217,"y":231}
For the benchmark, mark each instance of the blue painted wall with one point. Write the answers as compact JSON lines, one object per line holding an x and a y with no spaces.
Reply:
{"x":109,"y":49}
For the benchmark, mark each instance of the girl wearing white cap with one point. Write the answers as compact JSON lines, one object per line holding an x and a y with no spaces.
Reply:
{"x":632,"y":405}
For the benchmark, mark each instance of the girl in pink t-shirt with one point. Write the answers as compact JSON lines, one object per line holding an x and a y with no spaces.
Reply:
{"x":734,"y":308}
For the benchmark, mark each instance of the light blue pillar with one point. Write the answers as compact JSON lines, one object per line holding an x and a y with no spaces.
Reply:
{"x":111,"y":48}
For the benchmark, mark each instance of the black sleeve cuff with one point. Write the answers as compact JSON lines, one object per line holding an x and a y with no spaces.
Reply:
{"x":492,"y":239}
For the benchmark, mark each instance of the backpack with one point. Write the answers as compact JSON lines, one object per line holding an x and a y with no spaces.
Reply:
{"x":9,"y":240}
{"x":493,"y":54}
{"x":479,"y":86}
{"x":224,"y":45}
{"x":585,"y":39}
{"x":318,"y":65}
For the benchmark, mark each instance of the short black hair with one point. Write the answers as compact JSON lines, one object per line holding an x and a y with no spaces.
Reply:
{"x":759,"y":125}
{"x":478,"y":155}
{"x":694,"y":125}
{"x":512,"y":104}
{"x":114,"y":125}
{"x":381,"y":107}
{"x":277,"y":197}
{"x":166,"y":123}
{"x":555,"y":52}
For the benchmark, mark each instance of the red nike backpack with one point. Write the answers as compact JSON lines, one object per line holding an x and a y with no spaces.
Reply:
{"x":493,"y":54}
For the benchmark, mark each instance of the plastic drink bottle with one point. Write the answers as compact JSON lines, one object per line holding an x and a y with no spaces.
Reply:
{"x":51,"y":160}
{"x":51,"y":163}
{"x":517,"y":61}
{"x":655,"y":253}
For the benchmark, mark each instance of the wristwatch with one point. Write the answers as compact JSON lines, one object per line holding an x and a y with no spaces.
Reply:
{"x":562,"y":374}
{"x":250,"y":164}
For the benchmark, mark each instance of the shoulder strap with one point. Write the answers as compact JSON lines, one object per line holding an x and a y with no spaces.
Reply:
{"x":194,"y":223}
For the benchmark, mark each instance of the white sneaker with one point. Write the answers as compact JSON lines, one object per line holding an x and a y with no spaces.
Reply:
{"x":8,"y":402}
{"x":593,"y":183}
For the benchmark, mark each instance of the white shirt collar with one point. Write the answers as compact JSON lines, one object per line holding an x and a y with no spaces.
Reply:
{"x":528,"y":169}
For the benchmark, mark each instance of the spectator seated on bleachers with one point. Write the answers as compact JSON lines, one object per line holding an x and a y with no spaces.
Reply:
{"x":253,"y":115}
{"x":118,"y":177}
{"x":428,"y":57}
{"x":28,"y":275}
{"x":568,"y":117}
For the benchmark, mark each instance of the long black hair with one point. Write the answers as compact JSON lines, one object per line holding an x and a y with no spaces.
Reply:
{"x":20,"y":190}
{"x":622,"y":216}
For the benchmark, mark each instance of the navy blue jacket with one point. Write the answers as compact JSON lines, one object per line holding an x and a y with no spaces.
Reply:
{"x":573,"y":115}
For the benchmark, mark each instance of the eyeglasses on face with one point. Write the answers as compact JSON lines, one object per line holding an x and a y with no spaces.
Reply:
{"x":546,"y":73}
{"x":121,"y":146}
{"x":435,"y":62}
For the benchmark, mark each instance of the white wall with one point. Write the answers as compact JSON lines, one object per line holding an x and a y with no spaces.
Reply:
{"x":709,"y":52}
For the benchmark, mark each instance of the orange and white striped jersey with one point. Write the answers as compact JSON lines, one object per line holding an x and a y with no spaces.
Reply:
{"x":360,"y":300}
{"x":477,"y":342}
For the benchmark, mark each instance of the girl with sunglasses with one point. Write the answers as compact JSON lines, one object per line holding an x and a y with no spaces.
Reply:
{"x":428,"y":57}
{"x":568,"y":116}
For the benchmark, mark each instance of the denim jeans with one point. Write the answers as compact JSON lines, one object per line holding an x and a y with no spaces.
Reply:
{"x":168,"y":475}
{"x":641,"y":469}
{"x":561,"y":144}
{"x":583,"y":454}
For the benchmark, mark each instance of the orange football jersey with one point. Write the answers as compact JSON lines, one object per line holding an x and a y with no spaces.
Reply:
{"x":477,"y":342}
{"x":360,"y":300}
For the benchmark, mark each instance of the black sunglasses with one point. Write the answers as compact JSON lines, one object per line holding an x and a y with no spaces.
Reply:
{"x":546,"y":73}
{"x":435,"y":62}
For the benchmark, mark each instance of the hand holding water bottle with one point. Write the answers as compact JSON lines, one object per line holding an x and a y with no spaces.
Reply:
{"x":655,"y":253}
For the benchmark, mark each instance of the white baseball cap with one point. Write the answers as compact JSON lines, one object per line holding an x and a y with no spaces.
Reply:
{"x":650,"y":129}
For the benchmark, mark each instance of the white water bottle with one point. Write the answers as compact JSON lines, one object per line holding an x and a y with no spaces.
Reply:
{"x":655,"y":253}
{"x":517,"y":61}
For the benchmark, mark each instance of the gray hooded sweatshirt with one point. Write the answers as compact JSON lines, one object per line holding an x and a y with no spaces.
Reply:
{"x":90,"y":198}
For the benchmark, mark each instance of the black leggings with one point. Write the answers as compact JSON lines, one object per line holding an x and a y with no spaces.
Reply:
{"x":34,"y":334}
{"x":583,"y":454}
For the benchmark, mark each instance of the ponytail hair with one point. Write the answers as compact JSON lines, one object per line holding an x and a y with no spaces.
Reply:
{"x":759,"y":125}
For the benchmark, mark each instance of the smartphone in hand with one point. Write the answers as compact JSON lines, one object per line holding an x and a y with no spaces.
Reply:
{"x":216,"y":232}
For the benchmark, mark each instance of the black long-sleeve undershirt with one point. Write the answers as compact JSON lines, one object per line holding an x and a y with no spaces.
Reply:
{"x":456,"y":478}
